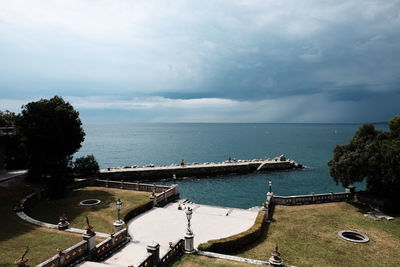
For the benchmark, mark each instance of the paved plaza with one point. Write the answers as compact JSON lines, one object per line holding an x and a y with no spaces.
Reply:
{"x":168,"y":224}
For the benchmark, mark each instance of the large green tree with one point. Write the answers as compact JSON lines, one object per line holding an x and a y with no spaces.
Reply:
{"x":13,"y":153}
{"x":372,"y":156}
{"x":7,"y":118}
{"x":52,"y":133}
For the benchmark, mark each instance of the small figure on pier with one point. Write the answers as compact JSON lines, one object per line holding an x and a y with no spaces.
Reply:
{"x":182,"y":163}
{"x":270,"y":186}
{"x":230,"y":160}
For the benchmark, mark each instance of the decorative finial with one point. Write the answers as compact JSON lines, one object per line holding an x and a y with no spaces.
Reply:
{"x":22,"y":262}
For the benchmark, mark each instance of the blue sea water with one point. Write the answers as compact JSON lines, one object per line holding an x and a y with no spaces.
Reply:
{"x":163,"y":144}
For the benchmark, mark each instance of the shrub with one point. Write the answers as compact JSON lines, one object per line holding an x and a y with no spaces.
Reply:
{"x":86,"y":167}
{"x":236,"y":242}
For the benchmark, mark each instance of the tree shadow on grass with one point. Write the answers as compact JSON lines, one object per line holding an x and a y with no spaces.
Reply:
{"x":50,"y":210}
{"x":16,"y":234}
{"x":11,"y":225}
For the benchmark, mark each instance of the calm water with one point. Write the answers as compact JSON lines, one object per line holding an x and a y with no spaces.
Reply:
{"x":309,"y":144}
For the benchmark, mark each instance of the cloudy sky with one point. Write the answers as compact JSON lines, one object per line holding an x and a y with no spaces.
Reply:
{"x":204,"y":61}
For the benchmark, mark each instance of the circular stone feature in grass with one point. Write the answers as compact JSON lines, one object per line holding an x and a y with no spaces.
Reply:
{"x":353,"y":236}
{"x":90,"y":202}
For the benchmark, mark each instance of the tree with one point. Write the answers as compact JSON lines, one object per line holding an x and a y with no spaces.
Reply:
{"x":13,"y":152}
{"x":52,"y":132}
{"x":86,"y":167}
{"x":7,"y":119}
{"x":372,"y":156}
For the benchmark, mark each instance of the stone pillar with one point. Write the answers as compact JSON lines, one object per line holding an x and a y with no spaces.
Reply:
{"x":62,"y":258}
{"x":176,"y":191}
{"x":91,"y":241}
{"x":189,"y":243}
{"x":266,"y":210}
{"x":122,"y":184}
{"x":118,"y":225}
{"x":154,"y":249}
{"x":351,"y":189}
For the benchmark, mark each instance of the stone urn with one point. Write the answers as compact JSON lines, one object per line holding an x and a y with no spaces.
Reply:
{"x":63,"y":223}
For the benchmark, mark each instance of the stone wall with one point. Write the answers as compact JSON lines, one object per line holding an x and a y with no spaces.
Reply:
{"x":195,"y":170}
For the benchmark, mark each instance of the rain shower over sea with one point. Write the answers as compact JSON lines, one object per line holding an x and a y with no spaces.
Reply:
{"x":164,"y":144}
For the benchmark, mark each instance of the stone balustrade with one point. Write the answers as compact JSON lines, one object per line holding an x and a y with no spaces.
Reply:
{"x":132,"y":186}
{"x":176,"y":250}
{"x":162,"y":193}
{"x":81,"y":251}
{"x":7,"y":131}
{"x":312,"y":198}
{"x":165,"y":196}
{"x":74,"y":253}
{"x":67,"y":257}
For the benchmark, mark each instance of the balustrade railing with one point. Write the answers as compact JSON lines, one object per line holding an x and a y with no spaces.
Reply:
{"x":52,"y":262}
{"x":104,"y":247}
{"x":75,"y":252}
{"x":313,"y":198}
{"x":133,"y":186}
{"x":175,"y":251}
{"x":147,"y":262}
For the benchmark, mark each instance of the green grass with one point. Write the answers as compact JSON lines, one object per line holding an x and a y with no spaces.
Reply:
{"x":307,"y":236}
{"x":101,"y":216}
{"x":15,"y":234}
{"x":202,"y":261}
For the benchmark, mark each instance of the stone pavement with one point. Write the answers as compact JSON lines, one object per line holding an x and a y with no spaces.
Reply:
{"x":168,"y":224}
{"x":11,"y":174}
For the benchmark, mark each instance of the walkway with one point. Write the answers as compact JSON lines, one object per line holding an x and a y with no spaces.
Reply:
{"x":168,"y":224}
{"x":11,"y":174}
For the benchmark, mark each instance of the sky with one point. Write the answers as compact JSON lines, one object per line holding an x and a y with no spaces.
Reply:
{"x":125,"y":61}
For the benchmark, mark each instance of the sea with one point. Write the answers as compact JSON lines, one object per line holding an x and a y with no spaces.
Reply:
{"x":163,"y":144}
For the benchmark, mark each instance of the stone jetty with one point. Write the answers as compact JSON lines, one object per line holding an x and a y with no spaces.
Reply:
{"x":198,"y":170}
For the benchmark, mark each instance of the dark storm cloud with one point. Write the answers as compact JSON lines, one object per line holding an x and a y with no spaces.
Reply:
{"x":343,"y":54}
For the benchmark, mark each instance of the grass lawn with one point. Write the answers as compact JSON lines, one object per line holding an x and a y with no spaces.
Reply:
{"x":15,"y":234}
{"x":202,"y":261}
{"x":307,"y":236}
{"x":100,"y":216}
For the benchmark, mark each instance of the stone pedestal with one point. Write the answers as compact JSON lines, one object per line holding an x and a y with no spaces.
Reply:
{"x":189,"y":243}
{"x":118,"y":225}
{"x":63,"y":225}
{"x":275,"y":261}
{"x":351,"y":189}
{"x":91,"y":241}
{"x":154,"y":249}
{"x":23,"y":262}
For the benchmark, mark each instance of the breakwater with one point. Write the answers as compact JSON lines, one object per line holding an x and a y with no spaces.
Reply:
{"x":174,"y":171}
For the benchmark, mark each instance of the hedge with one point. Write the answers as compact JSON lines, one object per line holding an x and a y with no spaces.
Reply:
{"x":138,"y":210}
{"x":236,"y":242}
